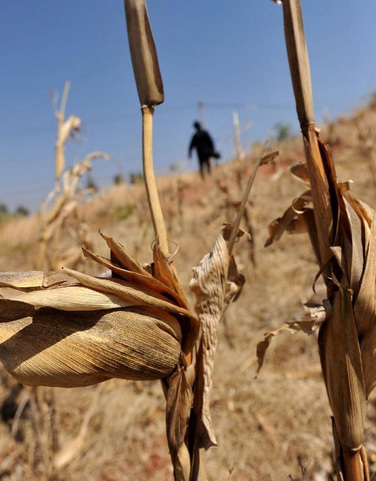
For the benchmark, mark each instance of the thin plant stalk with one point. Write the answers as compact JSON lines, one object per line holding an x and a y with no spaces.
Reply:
{"x":260,"y":161}
{"x":150,"y":91}
{"x":352,"y":460}
{"x":149,"y":177}
{"x":301,"y":80}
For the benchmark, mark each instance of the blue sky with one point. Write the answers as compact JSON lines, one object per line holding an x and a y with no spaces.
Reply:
{"x":229,"y":54}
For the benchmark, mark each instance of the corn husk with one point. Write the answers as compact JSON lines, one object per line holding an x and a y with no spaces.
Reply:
{"x":55,"y":348}
{"x":70,"y":329}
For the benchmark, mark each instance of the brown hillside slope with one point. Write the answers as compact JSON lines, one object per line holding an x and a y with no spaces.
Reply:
{"x":275,"y":427}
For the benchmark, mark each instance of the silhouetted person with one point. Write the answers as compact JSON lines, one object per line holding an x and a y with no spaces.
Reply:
{"x":204,"y":145}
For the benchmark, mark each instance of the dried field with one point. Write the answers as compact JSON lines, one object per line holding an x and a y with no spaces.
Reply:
{"x":273,"y":428}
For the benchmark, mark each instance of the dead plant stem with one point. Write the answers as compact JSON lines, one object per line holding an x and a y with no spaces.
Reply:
{"x":301,"y":81}
{"x":243,"y":204}
{"x":150,"y":184}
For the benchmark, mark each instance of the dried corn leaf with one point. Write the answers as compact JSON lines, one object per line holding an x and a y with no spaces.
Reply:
{"x":342,"y":369}
{"x":33,"y":279}
{"x":300,"y":171}
{"x":214,"y":287}
{"x":365,"y":313}
{"x":368,"y":350}
{"x":293,"y":219}
{"x":365,"y":303}
{"x":124,"y":290}
{"x":13,"y":310}
{"x":140,"y":288}
{"x":125,"y":260}
{"x":178,"y":408}
{"x":163,"y":272}
{"x":139,"y":280}
{"x":363,"y":210}
{"x":316,"y":316}
{"x":354,"y":247}
{"x":75,"y":298}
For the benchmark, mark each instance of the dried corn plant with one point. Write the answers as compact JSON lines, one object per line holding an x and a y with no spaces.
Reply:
{"x":71,"y":329}
{"x":66,"y":128}
{"x":342,"y":232}
{"x":62,"y":203}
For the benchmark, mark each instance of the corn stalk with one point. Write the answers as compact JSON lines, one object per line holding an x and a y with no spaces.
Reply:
{"x":150,"y":92}
{"x":177,"y":389}
{"x":66,"y":128}
{"x":59,"y":205}
{"x":216,"y":282}
{"x":70,"y":329}
{"x":342,"y":232}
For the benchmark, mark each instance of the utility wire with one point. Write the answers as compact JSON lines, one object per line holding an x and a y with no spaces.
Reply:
{"x":164,"y":110}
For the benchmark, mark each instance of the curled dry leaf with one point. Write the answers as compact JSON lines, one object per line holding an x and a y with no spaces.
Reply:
{"x":215,"y":283}
{"x":314,"y":318}
{"x":293,"y":220}
{"x":71,"y":329}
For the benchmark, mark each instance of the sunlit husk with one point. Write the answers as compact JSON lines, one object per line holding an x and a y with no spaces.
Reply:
{"x":71,"y":329}
{"x":65,"y":349}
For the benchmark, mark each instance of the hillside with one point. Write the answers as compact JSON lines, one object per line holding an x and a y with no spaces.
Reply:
{"x":276,"y":427}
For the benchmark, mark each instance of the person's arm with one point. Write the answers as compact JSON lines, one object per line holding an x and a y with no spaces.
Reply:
{"x":191,"y":146}
{"x":211,"y":143}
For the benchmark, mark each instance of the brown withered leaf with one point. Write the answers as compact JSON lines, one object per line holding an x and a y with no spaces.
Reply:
{"x":178,"y":408}
{"x":125,"y":260}
{"x":138,"y":280}
{"x":365,"y":303}
{"x":164,"y":273}
{"x":215,"y":285}
{"x":365,"y":313}
{"x":342,"y":369}
{"x":133,"y":295}
{"x":33,"y":279}
{"x":315,"y":317}
{"x":293,"y":219}
{"x":354,"y":247}
{"x":300,"y":171}
{"x":269,"y":157}
{"x":71,"y":298}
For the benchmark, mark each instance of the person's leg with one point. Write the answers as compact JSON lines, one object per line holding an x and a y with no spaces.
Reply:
{"x":208,"y":165}
{"x":202,"y":163}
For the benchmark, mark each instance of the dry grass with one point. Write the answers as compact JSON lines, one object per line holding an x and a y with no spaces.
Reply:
{"x":274,"y":428}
